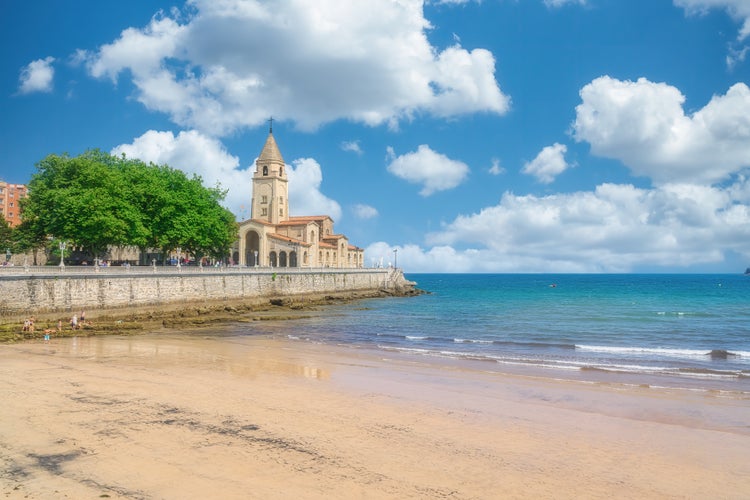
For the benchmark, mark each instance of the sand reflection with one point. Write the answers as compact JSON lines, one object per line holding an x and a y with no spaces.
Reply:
{"x":239,"y":356}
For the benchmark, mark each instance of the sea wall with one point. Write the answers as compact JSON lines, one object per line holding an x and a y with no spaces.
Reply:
{"x":25,"y":290}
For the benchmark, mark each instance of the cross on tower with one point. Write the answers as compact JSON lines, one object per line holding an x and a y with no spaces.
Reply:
{"x":270,"y":126}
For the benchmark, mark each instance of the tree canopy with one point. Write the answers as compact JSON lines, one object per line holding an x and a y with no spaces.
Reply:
{"x":96,"y":200}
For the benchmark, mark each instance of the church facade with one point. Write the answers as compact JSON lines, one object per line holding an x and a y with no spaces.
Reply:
{"x":271,"y":237}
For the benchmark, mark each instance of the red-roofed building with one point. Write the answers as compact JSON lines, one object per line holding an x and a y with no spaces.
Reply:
{"x":271,"y":237}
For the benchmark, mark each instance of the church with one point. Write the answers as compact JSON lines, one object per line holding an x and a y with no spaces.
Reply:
{"x":273,"y":238}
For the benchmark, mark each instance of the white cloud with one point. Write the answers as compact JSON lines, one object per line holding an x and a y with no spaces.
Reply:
{"x":37,"y":76}
{"x":496,"y":168}
{"x":643,"y":124}
{"x":236,"y":62}
{"x":548,"y":164}
{"x":434,"y":171}
{"x":616,"y":228}
{"x":305,"y":198}
{"x":195,"y":153}
{"x":365,"y":211}
{"x":739,"y":10}
{"x":352,"y":146}
{"x":560,"y":3}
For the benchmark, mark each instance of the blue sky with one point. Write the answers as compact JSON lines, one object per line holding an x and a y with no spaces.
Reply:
{"x":471,"y":136}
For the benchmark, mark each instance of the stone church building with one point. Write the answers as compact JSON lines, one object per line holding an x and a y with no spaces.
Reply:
{"x":272,"y":237}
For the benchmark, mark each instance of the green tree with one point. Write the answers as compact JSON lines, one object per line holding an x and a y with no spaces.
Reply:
{"x":96,"y":200}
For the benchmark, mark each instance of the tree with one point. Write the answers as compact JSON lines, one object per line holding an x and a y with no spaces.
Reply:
{"x":97,"y":200}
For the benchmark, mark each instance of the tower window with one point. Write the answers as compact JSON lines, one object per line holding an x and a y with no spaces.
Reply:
{"x":265,"y":170}
{"x":264,"y":212}
{"x":264,"y":199}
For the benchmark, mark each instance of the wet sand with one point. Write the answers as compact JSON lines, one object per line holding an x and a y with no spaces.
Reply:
{"x":196,"y":416}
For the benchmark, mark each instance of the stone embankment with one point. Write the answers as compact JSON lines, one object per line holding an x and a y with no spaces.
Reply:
{"x":119,"y":300}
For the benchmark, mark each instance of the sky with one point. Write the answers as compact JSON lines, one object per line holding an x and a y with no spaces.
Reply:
{"x":518,"y":136}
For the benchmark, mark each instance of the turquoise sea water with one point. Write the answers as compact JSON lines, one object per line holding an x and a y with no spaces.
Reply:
{"x":672,"y":330}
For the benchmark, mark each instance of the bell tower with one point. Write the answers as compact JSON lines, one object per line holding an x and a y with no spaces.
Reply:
{"x":270,"y":185}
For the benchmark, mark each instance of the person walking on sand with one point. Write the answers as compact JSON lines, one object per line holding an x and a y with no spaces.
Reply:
{"x":74,"y":322}
{"x":82,"y":319}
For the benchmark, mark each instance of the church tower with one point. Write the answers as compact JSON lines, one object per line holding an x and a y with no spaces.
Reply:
{"x":270,"y":185}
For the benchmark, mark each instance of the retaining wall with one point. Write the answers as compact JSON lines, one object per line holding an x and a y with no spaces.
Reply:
{"x":48,"y":290}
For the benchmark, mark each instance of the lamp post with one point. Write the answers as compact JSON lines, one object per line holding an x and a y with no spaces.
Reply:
{"x":179,"y":252}
{"x":395,"y":258}
{"x":256,"y":258}
{"x":63,"y":245}
{"x":7,"y":255}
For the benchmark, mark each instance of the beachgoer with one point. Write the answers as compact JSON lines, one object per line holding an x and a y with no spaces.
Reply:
{"x":82,"y":318}
{"x":25,"y":325}
{"x":59,"y":325}
{"x":74,"y":322}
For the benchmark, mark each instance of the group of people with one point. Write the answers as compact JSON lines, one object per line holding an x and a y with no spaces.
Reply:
{"x":76,"y":323}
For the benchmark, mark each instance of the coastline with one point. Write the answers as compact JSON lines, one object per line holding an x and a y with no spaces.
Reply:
{"x":186,"y":314}
{"x":187,"y":415}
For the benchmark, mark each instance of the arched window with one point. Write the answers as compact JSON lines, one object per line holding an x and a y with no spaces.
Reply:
{"x":265,"y":170}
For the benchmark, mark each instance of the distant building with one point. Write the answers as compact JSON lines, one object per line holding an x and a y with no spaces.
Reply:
{"x":10,"y":196}
{"x":271,"y":237}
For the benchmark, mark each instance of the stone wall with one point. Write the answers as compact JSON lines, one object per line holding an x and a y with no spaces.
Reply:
{"x":48,"y":290}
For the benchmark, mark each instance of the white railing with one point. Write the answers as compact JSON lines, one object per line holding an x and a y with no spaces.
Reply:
{"x":121,"y":270}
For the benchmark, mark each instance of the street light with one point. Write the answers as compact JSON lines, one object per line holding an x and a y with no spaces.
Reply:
{"x":395,"y":258}
{"x":63,"y":246}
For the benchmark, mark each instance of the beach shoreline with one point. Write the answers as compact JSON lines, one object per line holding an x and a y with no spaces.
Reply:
{"x":175,"y":415}
{"x":179,"y":315}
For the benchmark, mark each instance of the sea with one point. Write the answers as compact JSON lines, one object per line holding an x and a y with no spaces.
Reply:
{"x":671,"y":330}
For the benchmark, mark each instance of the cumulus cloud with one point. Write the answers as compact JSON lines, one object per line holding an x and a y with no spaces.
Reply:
{"x":496,"y":168}
{"x":365,"y":211}
{"x":305,"y":197}
{"x":37,"y":76}
{"x":352,"y":146}
{"x":615,"y":228}
{"x":560,"y":3}
{"x":234,"y":63}
{"x":548,"y":164}
{"x":434,"y":171}
{"x":739,"y":10}
{"x":643,"y":124}
{"x":196,"y":153}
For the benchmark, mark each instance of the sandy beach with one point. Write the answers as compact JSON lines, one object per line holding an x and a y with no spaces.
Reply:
{"x":206,"y":416}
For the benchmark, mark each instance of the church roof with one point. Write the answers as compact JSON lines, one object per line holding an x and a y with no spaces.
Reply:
{"x":270,"y":153}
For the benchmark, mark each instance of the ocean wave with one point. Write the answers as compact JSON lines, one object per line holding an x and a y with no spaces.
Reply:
{"x":663,"y":351}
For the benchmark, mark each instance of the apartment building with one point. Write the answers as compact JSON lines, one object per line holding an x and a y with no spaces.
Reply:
{"x":10,"y":196}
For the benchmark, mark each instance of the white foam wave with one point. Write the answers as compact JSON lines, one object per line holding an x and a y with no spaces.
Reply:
{"x":660,"y":351}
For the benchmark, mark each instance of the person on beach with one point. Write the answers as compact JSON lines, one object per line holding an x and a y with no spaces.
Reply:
{"x":74,"y":322}
{"x":82,"y":319}
{"x":59,"y":325}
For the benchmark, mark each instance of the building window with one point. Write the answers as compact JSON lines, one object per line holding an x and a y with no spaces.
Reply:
{"x":281,"y":171}
{"x":263,"y":212}
{"x":281,"y":212}
{"x":10,"y":204}
{"x":265,"y":170}
{"x":264,"y":199}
